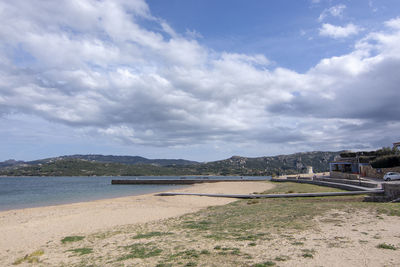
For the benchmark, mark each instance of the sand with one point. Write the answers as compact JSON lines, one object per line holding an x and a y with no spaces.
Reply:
{"x":338,"y":238}
{"x":23,"y":230}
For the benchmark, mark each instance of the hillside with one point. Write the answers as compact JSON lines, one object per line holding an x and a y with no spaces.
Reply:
{"x":276,"y":165}
{"x":90,"y":165}
{"x":113,"y":159}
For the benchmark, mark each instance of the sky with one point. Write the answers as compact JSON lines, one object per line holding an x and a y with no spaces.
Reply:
{"x":199,"y":80}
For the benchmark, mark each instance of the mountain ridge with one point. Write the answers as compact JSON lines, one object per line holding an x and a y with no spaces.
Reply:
{"x":102,"y":158}
{"x":109,"y":165}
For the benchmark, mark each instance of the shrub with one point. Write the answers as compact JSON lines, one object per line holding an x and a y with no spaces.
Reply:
{"x":386,"y":161}
{"x":386,"y":246}
{"x":73,"y":238}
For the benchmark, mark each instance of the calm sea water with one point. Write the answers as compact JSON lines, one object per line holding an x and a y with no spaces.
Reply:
{"x":28,"y":192}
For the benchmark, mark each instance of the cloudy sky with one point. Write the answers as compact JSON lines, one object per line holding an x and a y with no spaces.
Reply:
{"x":200,"y":80}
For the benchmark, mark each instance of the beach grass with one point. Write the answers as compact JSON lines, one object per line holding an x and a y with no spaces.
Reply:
{"x":237,"y":234}
{"x":386,"y":246}
{"x":81,"y":251}
{"x":69,"y":239}
{"x":150,"y":235}
{"x":30,"y":258}
{"x":141,"y":251}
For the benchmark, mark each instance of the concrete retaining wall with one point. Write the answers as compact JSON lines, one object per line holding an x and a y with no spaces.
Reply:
{"x":346,"y":181}
{"x":343,"y":186}
{"x":344,"y":175}
{"x":392,"y":191}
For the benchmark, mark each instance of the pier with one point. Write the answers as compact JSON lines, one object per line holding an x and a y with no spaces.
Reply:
{"x":184,"y":181}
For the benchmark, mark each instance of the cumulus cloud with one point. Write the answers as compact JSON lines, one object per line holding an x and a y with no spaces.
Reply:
{"x":334,"y":11}
{"x":338,"y":31}
{"x":93,"y":65}
{"x":393,"y":23}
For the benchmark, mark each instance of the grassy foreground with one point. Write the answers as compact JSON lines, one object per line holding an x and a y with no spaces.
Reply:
{"x":259,"y":232}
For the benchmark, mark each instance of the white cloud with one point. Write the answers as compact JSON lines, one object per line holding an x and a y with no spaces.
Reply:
{"x":193,"y":34}
{"x":334,"y":11}
{"x":393,"y":23}
{"x":338,"y":31}
{"x":95,"y":68}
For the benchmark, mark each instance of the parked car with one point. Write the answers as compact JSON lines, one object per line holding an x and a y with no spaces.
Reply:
{"x":389,"y":176}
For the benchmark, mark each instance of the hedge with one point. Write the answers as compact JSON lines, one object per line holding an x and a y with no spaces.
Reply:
{"x":386,"y":161}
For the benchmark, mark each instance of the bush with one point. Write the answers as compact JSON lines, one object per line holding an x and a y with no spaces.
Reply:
{"x":386,"y":151}
{"x":386,"y":161}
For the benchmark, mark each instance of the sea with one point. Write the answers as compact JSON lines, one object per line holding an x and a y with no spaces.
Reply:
{"x":29,"y":192}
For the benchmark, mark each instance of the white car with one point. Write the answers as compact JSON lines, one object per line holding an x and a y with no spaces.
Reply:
{"x":391,"y":176}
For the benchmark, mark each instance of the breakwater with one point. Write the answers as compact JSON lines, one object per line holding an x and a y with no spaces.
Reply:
{"x":182,"y":181}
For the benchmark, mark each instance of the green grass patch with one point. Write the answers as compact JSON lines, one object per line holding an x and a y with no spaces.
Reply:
{"x":252,"y":201}
{"x":73,"y":238}
{"x":187,"y":254}
{"x":386,"y":246}
{"x":140,"y":251}
{"x":30,"y":258}
{"x":228,"y":251}
{"x":282,"y":258}
{"x":264,"y":264}
{"x":205,"y":252}
{"x":197,"y":225}
{"x":104,"y":235}
{"x":150,"y":235}
{"x":308,"y":253}
{"x":298,"y":243}
{"x":287,"y":187}
{"x":81,"y":251}
{"x":391,"y":209}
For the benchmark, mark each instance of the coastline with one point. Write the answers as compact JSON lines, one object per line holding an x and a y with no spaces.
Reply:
{"x":25,"y":229}
{"x":31,"y":192}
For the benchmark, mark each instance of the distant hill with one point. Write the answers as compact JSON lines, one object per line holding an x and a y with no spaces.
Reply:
{"x":89,"y":165}
{"x":102,"y":159}
{"x":10,"y":163}
{"x":275,"y":165}
{"x":80,"y":167}
{"x":118,"y":159}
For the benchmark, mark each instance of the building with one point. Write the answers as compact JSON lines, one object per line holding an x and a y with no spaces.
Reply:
{"x":349,"y":164}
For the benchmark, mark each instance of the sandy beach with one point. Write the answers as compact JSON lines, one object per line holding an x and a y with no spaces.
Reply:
{"x":25,"y":229}
{"x":150,"y":230}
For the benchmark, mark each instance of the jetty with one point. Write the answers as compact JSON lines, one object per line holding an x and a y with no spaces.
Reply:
{"x":184,"y":180}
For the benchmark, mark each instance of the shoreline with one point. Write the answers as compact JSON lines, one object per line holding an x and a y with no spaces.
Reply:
{"x":176,"y":187}
{"x":22,"y":230}
{"x":101,"y":190}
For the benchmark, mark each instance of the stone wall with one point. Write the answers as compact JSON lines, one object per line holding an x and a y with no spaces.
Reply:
{"x":392,"y":191}
{"x":368,"y":171}
{"x":344,"y":175}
